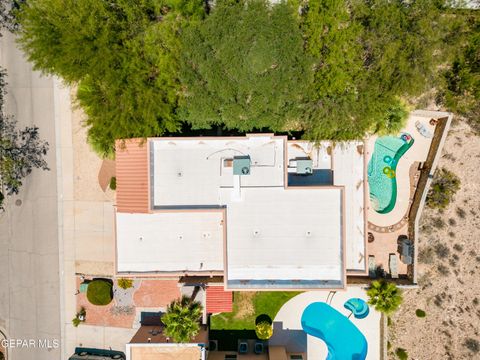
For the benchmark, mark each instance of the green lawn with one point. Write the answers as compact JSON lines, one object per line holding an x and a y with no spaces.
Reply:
{"x":247,"y":306}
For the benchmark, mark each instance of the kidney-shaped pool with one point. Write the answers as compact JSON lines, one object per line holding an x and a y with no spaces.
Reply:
{"x":382,"y":167}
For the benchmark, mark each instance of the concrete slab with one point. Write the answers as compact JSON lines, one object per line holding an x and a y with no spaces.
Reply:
{"x":289,"y":318}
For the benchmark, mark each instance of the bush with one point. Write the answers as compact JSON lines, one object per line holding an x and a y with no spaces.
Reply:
{"x":420,"y":313}
{"x":472,"y":345}
{"x":113,"y":183}
{"x":76,"y":321}
{"x":80,"y":317}
{"x":444,"y":186}
{"x":425,"y":255}
{"x":1,"y":199}
{"x":264,"y":330}
{"x":125,"y":283}
{"x":442,"y":251}
{"x":99,"y":292}
{"x":401,"y":354}
{"x":461,"y":213}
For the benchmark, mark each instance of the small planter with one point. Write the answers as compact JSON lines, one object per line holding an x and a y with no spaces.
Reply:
{"x":80,"y":317}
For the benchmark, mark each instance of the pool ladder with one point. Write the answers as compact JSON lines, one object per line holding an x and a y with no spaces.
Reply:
{"x":330,"y":296}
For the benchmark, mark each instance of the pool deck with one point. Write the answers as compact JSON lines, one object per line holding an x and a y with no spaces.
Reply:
{"x":417,"y":153}
{"x":288,"y":328}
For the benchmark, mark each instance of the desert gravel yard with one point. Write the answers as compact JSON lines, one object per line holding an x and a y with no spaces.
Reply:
{"x":449,"y":267}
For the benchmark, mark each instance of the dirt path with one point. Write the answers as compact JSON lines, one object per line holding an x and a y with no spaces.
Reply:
{"x":449,"y":267}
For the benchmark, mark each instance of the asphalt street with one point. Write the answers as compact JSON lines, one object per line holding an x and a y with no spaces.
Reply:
{"x":29,"y":251}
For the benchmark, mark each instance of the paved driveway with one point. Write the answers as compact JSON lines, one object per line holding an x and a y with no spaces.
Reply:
{"x":29,"y":256}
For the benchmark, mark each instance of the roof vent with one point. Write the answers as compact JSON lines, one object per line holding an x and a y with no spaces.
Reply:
{"x":241,"y":165}
{"x":256,"y":233}
{"x":308,"y":233}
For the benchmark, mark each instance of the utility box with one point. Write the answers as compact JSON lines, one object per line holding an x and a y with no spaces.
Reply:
{"x":241,"y":165}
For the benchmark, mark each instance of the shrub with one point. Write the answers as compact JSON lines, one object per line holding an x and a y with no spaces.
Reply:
{"x":472,"y":345}
{"x":80,"y":317}
{"x":420,"y":313}
{"x":444,"y":186}
{"x":443,"y":270}
{"x":113,"y":183}
{"x":1,"y":200}
{"x":385,"y":296}
{"x":99,"y":292}
{"x":442,"y":251}
{"x":264,"y":330}
{"x":425,"y":255}
{"x":401,"y":354}
{"x":461,"y":213}
{"x":438,"y":223}
{"x":125,"y":283}
{"x":458,"y":247}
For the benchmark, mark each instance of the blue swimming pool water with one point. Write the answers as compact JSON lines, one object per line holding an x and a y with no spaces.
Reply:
{"x":358,"y":307}
{"x":344,"y":340}
{"x":383,"y":189}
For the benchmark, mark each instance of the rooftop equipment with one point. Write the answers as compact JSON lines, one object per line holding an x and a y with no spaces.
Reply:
{"x":304,"y":166}
{"x":241,"y":165}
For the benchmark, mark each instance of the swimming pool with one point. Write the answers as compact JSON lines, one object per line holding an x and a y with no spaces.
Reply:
{"x":382,"y":170}
{"x":344,"y":340}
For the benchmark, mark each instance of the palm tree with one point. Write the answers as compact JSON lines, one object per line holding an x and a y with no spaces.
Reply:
{"x":182,"y":319}
{"x":385,"y":296}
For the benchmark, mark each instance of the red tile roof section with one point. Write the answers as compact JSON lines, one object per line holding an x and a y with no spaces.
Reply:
{"x":132,"y":176}
{"x":218,"y":300}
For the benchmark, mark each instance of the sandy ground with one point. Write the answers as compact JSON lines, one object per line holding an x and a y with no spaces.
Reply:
{"x":449,"y":266}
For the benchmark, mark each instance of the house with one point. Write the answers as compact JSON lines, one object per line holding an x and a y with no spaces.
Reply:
{"x":258,"y":212}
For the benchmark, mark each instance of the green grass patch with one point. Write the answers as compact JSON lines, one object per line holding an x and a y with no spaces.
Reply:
{"x":99,"y":292}
{"x":247,"y":306}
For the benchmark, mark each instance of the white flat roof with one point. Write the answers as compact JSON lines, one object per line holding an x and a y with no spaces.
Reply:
{"x":170,"y":241}
{"x":349,"y":171}
{"x":274,"y":233}
{"x":277,"y":234}
{"x":192,"y":171}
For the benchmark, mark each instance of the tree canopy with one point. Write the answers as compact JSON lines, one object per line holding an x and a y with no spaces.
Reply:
{"x":385,"y":296}
{"x":121,"y":54}
{"x":21,"y":150}
{"x":462,"y":79}
{"x":243,"y":67}
{"x":333,"y":69}
{"x":182,"y":319}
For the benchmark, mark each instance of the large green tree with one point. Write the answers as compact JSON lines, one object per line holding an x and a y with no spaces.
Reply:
{"x":244,"y":67}
{"x":335,"y":69}
{"x":385,"y":296}
{"x":21,"y":150}
{"x":122,"y":54}
{"x":182,"y":319}
{"x":461,"y":86}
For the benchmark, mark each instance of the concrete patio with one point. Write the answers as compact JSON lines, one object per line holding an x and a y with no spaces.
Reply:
{"x":288,"y":329}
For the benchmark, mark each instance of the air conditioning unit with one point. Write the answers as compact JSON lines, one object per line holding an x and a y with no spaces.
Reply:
{"x":241,"y":165}
{"x":304,"y":166}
